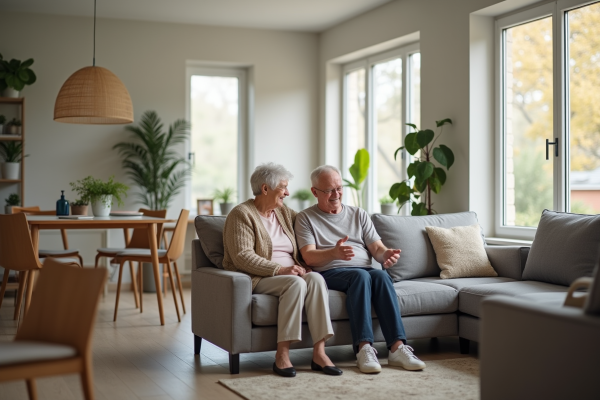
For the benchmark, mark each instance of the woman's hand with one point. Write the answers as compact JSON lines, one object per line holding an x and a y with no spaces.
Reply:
{"x":293,"y":270}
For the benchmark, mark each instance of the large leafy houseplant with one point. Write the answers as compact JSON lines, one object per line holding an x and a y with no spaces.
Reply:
{"x":424,"y":176}
{"x":16,"y":74}
{"x":11,"y":151}
{"x":359,"y":171}
{"x":151,"y":162}
{"x":90,"y":190}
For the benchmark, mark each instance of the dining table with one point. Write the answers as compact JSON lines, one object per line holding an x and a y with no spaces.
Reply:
{"x":39,"y":222}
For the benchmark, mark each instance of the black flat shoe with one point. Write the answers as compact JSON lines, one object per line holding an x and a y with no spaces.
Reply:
{"x":285,"y":372}
{"x":326,"y":370}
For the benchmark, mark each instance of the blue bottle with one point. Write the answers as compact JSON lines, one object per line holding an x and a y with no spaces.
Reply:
{"x":62,"y":205}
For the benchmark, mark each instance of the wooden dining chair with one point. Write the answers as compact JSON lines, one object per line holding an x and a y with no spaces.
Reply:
{"x":165,"y":257}
{"x":138,"y":240}
{"x":55,"y":336}
{"x":43,"y":253}
{"x":177,"y":276}
{"x":16,"y":254}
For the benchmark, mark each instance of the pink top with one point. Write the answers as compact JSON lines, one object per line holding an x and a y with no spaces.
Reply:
{"x":282,"y":246}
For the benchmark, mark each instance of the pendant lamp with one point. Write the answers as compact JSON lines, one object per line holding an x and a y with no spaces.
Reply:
{"x":93,"y":95}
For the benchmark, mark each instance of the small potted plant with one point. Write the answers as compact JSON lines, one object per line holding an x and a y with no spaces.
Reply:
{"x":2,"y":121}
{"x":387,"y":205}
{"x":11,"y":152}
{"x":79,"y":207}
{"x":225,"y":196}
{"x":303,"y":196}
{"x":14,"y":75}
{"x":101,"y":194}
{"x":13,"y":200}
{"x":14,"y":127}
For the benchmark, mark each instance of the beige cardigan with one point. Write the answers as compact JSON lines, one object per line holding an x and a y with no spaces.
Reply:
{"x":248,"y":247}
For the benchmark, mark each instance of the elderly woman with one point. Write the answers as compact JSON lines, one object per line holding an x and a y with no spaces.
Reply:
{"x":259,"y":241}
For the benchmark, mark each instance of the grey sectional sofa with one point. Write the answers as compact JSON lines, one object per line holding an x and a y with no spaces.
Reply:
{"x":226,"y":313}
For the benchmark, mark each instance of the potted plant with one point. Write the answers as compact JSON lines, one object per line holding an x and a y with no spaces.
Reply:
{"x":303,"y":196}
{"x":14,"y":75}
{"x":225,"y":196}
{"x":2,"y":121}
{"x":79,"y":207}
{"x":101,"y":194}
{"x":14,"y":127}
{"x":387,"y":205}
{"x":152,"y":164}
{"x":427,"y":176}
{"x":359,"y":171}
{"x":12,"y":200}
{"x":12,"y":153}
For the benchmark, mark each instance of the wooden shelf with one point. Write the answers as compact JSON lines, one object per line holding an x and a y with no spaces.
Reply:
{"x":14,"y":100}
{"x":10,"y":180}
{"x":14,"y":138}
{"x":19,"y":104}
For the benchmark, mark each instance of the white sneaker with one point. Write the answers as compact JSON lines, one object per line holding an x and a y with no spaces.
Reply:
{"x":367,"y":361}
{"x":404,"y":357}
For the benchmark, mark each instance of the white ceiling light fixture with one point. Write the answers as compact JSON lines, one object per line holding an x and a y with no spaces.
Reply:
{"x":93,"y":95}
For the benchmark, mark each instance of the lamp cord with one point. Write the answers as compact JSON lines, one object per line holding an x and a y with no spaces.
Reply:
{"x":94,"y":59}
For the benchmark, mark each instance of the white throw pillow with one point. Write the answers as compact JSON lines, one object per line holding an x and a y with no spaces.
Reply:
{"x":459,"y":252}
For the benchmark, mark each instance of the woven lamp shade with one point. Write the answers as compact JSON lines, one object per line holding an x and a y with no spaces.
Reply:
{"x":93,"y":95}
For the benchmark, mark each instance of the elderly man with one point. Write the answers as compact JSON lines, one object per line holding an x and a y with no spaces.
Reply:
{"x":338,"y":241}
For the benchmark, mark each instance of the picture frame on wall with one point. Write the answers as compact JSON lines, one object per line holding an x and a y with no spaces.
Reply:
{"x":205,"y":207}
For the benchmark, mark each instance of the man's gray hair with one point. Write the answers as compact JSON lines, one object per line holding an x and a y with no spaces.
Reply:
{"x":271,"y":174}
{"x":314,"y":176}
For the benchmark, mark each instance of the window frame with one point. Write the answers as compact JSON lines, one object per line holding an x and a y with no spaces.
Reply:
{"x":368,"y":63}
{"x":244,"y":140}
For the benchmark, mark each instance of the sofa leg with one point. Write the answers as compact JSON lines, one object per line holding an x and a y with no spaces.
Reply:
{"x":464,"y":345}
{"x":234,"y":363}
{"x":197,"y":344}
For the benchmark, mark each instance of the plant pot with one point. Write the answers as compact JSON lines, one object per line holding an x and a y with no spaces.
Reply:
{"x":79,"y":210}
{"x":226,"y":208}
{"x":10,"y":170}
{"x":304,"y":204}
{"x":148,"y":284}
{"x":8,"y":209}
{"x":102,"y":206}
{"x":10,"y":92}
{"x":1,"y":129}
{"x":388,"y":209}
{"x":13,"y":129}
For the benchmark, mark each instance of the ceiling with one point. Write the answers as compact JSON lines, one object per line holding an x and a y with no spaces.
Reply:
{"x":295,"y":15}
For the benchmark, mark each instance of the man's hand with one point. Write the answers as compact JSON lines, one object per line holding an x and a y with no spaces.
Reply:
{"x":390,"y":257}
{"x":293,"y":270}
{"x":342,"y":252}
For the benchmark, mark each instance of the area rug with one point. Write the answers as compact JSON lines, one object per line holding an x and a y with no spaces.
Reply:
{"x":444,"y":379}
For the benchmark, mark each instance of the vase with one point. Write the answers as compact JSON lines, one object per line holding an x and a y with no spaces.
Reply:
{"x":79,"y":210}
{"x":10,"y":92}
{"x":226,"y":208}
{"x":101,"y":206}
{"x":11,"y":170}
{"x":388,"y":209}
{"x":62,"y":205}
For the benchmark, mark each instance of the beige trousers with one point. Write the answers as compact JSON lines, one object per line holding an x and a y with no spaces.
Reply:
{"x":296,"y":292}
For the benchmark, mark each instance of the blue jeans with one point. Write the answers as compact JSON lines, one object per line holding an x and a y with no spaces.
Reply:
{"x":363,"y":287}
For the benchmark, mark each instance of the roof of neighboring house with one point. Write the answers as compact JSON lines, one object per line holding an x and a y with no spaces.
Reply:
{"x":585,"y":180}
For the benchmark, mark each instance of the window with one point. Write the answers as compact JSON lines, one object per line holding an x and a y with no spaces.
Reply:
{"x":549,"y":136}
{"x":380,"y":94}
{"x":216,"y":113}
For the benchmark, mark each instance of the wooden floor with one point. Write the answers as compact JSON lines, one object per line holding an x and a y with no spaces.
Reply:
{"x":136,"y":358}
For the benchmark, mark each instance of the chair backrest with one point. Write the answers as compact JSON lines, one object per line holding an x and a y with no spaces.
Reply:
{"x":64,"y":306}
{"x":139,"y":238}
{"x":16,"y":248}
{"x":178,"y":240}
{"x":34,"y":210}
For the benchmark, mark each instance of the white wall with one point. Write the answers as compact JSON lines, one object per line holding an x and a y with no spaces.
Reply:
{"x":443,"y":27}
{"x":150,"y":58}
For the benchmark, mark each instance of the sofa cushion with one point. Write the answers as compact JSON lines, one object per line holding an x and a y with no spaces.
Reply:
{"x":409,"y":235}
{"x":459,"y":251}
{"x":592,"y":303}
{"x":460,"y":283}
{"x":469,"y":298}
{"x":565,"y":248}
{"x":414,"y":298}
{"x":554,"y":299}
{"x":210,"y":232}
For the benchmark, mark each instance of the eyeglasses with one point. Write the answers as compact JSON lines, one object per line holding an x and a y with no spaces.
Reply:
{"x":328,"y":192}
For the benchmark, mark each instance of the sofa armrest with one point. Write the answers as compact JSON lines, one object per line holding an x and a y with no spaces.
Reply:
{"x":221,"y":308}
{"x":508,"y":261}
{"x":536,"y":351}
{"x":199,"y":258}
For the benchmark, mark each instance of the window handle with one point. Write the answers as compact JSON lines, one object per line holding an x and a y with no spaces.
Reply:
{"x":192,"y":158}
{"x":555,"y":144}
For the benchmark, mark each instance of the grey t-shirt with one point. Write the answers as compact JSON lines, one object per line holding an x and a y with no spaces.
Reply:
{"x":314,"y":226}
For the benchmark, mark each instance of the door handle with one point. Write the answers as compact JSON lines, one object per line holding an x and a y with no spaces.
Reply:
{"x":555,"y":144}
